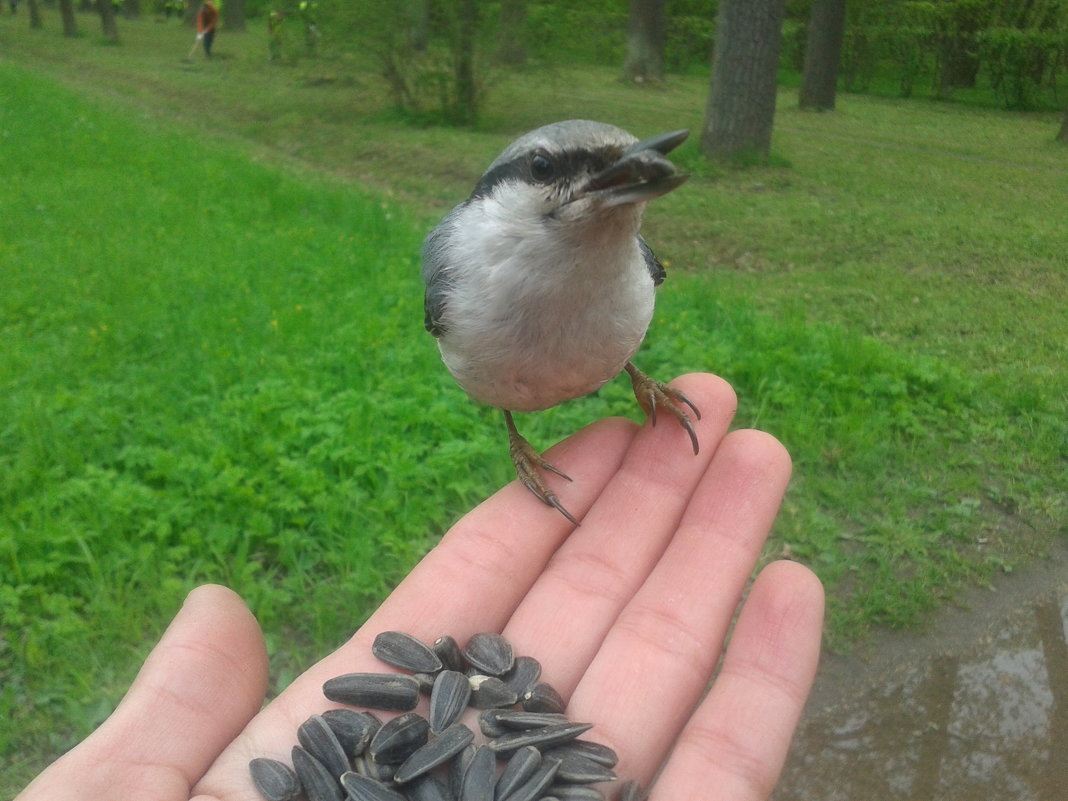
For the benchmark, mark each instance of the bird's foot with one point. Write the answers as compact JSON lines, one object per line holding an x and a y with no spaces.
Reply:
{"x":652,"y":395}
{"x":527,"y":463}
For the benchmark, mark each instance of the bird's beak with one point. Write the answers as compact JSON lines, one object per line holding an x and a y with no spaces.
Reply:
{"x":641,"y":173}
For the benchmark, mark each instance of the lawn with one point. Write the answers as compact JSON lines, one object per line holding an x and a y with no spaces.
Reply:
{"x":214,"y":368}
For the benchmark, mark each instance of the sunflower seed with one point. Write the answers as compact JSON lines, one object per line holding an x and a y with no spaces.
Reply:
{"x":318,"y":783}
{"x":366,"y":766}
{"x":391,"y":691}
{"x":576,"y":792}
{"x":577,"y":769}
{"x":426,"y":682}
{"x":275,"y":780}
{"x":428,"y":788}
{"x":524,"y":673}
{"x":542,"y":698}
{"x":630,"y":790}
{"x":436,"y":752}
{"x":490,"y":653}
{"x":448,"y":699}
{"x":601,"y":754}
{"x":319,"y":740}
{"x":458,"y":768}
{"x":521,"y":766}
{"x":480,"y":776}
{"x":536,"y":784}
{"x":399,"y":738}
{"x":353,"y":729}
{"x":502,"y":720}
{"x":488,"y":692}
{"x":405,"y":652}
{"x":544,"y":737}
{"x":448,"y":652}
{"x":362,"y":788}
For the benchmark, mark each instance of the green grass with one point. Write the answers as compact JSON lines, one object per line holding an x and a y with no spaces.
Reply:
{"x":214,"y":369}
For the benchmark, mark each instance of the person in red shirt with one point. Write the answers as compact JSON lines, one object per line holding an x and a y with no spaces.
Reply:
{"x":206,"y":19}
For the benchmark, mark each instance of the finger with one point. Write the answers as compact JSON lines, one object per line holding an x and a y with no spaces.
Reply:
{"x":200,"y":685}
{"x":735,"y":744}
{"x":656,"y":662}
{"x":593,"y":575}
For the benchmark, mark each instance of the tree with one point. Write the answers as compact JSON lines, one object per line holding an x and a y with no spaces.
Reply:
{"x":823,"y":50}
{"x":107,"y":20}
{"x":645,"y":41}
{"x":35,"y":15}
{"x":511,"y":44}
{"x":741,"y":100}
{"x":66,"y":11}
{"x":233,"y":14}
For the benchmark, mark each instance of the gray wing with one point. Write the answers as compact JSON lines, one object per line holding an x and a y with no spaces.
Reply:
{"x":656,"y":269}
{"x":436,"y":274}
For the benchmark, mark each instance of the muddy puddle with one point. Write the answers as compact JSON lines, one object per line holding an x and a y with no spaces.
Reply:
{"x":974,"y":709}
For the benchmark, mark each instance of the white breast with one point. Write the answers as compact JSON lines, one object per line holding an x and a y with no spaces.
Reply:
{"x":540,"y":311}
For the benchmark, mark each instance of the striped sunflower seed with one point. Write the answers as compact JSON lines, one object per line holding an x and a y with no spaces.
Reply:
{"x":542,"y":697}
{"x":502,"y":720}
{"x":490,"y":653}
{"x":275,"y":780}
{"x":577,"y":769}
{"x":428,"y":788}
{"x":448,"y":699}
{"x":436,"y":752}
{"x":575,"y":792}
{"x":390,"y":691}
{"x":545,"y":737}
{"x":363,"y":788}
{"x":317,"y":781}
{"x":601,"y":754}
{"x":536,"y":785}
{"x":353,"y":729}
{"x":458,"y":768}
{"x":480,"y":776}
{"x":319,"y":740}
{"x":488,"y":692}
{"x":399,"y":738}
{"x":524,"y":673}
{"x":520,"y":767}
{"x":448,"y":652}
{"x":405,"y":652}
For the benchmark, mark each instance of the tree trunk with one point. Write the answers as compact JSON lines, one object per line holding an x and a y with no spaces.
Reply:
{"x":35,"y":15}
{"x":826,"y":28}
{"x":645,"y":41}
{"x":741,"y":100}
{"x":107,"y":20}
{"x":466,"y":106}
{"x":66,"y":11}
{"x":233,"y":14}
{"x":511,"y":47}
{"x":1063,"y":135}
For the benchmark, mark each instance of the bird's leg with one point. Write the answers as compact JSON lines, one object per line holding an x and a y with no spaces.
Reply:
{"x":527,"y":461}
{"x":652,"y":394}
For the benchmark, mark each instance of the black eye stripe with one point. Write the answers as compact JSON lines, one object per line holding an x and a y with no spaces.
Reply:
{"x":565,"y":164}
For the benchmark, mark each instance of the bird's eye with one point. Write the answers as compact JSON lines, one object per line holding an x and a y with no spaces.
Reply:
{"x":541,"y":167}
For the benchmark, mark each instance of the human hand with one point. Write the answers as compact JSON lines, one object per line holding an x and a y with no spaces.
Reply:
{"x":627,"y":614}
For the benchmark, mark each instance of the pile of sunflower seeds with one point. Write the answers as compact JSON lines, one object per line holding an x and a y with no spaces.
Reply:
{"x":349,"y":754}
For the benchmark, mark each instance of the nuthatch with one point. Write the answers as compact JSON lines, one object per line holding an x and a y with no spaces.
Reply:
{"x":539,"y":287}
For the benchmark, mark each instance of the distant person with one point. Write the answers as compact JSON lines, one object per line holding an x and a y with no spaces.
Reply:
{"x":274,"y":35}
{"x":206,"y":19}
{"x":14,"y":6}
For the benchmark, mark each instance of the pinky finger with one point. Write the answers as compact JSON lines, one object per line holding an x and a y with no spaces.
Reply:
{"x":735,"y":744}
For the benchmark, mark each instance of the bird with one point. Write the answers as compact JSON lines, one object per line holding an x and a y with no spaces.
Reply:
{"x":539,"y":287}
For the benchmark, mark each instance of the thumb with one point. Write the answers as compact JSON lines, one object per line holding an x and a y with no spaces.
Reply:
{"x":200,"y":685}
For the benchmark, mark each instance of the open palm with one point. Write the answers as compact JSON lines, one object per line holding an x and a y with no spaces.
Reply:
{"x":628,"y":615}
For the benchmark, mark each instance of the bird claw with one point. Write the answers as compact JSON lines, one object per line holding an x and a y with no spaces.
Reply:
{"x":527,"y":462}
{"x":652,"y":394}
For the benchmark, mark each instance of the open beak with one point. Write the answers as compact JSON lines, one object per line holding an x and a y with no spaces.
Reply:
{"x":642,"y":172}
